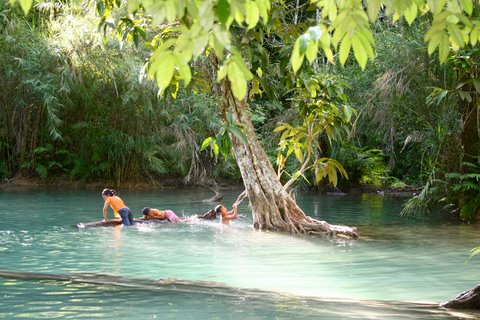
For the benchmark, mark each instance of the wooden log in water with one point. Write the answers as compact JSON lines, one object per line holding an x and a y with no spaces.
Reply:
{"x":375,"y":309}
{"x":117,"y":222}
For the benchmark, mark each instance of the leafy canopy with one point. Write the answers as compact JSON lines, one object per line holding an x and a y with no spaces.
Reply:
{"x":202,"y":26}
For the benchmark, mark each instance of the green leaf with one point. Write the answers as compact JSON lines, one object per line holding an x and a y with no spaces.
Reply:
{"x":411,"y":12}
{"x":296,"y":59}
{"x":229,"y":118}
{"x":41,"y":170}
{"x":263,"y":8}
{"x":206,"y":143}
{"x":467,"y":6}
{"x":474,"y":36}
{"x":347,"y":112}
{"x":239,"y":134}
{"x":298,"y":154}
{"x":237,"y":79}
{"x":465,"y":96}
{"x":165,"y":70}
{"x":223,"y":10}
{"x":171,"y":10}
{"x":312,"y":51}
{"x":222,"y":72}
{"x":476,"y":84}
{"x":434,"y":43}
{"x":238,"y":60}
{"x":456,"y":35}
{"x":443,"y":49}
{"x":183,"y":70}
{"x":373,"y":7}
{"x":344,"y":49}
{"x":282,"y":127}
{"x":252,"y":14}
{"x":26,"y":5}
{"x":304,"y":41}
{"x":359,"y":52}
{"x":436,"y":5}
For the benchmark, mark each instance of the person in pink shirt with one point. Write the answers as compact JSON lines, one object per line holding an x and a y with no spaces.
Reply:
{"x":152,"y":213}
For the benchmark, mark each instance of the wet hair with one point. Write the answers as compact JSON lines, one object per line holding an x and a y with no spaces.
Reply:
{"x":218,"y":208}
{"x":108,"y":192}
{"x":211,"y":214}
{"x":146,"y":211}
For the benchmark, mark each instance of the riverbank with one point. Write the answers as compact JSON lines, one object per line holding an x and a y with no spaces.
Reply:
{"x":25,"y":183}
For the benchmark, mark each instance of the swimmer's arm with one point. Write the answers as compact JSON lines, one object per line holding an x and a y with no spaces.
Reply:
{"x":234,"y":213}
{"x":105,"y":207}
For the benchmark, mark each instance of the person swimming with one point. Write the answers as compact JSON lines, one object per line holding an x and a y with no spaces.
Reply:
{"x":225,"y":215}
{"x":152,"y":213}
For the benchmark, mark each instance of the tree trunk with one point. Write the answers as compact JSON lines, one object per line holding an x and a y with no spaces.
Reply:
{"x":272,"y":207}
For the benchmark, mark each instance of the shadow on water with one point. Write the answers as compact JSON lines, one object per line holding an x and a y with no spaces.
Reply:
{"x":237,"y":302}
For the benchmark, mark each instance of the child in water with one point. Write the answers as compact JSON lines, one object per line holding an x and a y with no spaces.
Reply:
{"x":227,"y":215}
{"x":117,"y":204}
{"x":151,"y":213}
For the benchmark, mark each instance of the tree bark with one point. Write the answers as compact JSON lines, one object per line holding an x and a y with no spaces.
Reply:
{"x":272,"y":206}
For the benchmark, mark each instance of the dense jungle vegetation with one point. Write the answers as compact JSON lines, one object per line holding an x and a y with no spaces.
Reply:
{"x":75,"y":107}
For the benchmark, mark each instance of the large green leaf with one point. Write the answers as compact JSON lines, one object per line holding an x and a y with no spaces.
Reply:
{"x":344,"y":50}
{"x":223,"y":10}
{"x":26,"y":5}
{"x":296,"y":58}
{"x":237,"y":80}
{"x":165,"y":70}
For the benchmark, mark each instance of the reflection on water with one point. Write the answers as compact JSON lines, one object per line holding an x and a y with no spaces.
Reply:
{"x":395,"y":259}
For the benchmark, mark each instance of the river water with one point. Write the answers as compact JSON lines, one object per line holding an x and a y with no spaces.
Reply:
{"x":398,"y":269}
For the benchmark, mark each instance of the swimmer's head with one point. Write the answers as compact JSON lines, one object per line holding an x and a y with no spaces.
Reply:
{"x":108,"y":192}
{"x":218,"y":209}
{"x":146,"y":211}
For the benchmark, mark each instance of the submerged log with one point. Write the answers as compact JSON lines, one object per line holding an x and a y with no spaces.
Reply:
{"x":469,"y":299}
{"x":332,"y":308}
{"x":117,"y":222}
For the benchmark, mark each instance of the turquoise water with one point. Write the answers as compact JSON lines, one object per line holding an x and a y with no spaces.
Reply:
{"x":396,"y":261}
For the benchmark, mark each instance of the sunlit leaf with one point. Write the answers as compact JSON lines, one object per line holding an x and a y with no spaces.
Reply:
{"x":373,"y":7}
{"x":359,"y":52}
{"x":26,"y":5}
{"x":344,"y":50}
{"x":237,"y":79}
{"x":183,"y":70}
{"x":312,"y":50}
{"x":252,"y":14}
{"x":443,"y":49}
{"x":206,"y":143}
{"x":296,"y":59}
{"x":467,"y":6}
{"x":165,"y":70}
{"x":411,"y":12}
